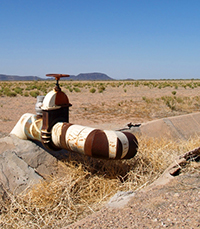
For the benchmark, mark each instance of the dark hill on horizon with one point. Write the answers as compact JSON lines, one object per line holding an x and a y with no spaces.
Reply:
{"x":81,"y":76}
{"x":18,"y":78}
{"x":90,"y":76}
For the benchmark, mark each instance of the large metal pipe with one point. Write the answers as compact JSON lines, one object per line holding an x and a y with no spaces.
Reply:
{"x":92,"y":142}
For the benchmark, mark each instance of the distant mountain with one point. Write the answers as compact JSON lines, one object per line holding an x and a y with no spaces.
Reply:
{"x":18,"y":78}
{"x":81,"y":76}
{"x":90,"y":76}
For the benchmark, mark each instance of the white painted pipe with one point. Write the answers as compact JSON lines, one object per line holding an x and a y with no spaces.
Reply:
{"x":92,"y":142}
{"x":28,"y":127}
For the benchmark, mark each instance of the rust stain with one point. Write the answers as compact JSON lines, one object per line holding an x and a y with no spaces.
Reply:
{"x":96,"y":144}
{"x":65,"y":127}
{"x":61,"y":99}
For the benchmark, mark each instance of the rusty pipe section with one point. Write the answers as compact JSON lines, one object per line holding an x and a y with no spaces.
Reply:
{"x":106,"y":144}
{"x":92,"y":142}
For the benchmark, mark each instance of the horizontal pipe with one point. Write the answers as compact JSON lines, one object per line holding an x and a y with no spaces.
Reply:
{"x":92,"y":142}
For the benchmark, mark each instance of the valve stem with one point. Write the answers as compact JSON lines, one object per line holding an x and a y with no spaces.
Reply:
{"x":57,"y":78}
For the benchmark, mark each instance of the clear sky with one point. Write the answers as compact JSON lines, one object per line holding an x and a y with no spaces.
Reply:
{"x":139,"y":39}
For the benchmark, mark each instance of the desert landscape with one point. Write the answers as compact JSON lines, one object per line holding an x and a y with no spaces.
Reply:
{"x":60,"y":201}
{"x":103,"y":104}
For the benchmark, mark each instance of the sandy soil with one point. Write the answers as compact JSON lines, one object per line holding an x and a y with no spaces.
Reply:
{"x":111,"y":109}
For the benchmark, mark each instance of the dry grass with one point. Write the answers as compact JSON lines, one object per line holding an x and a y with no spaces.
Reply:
{"x":87,"y":184}
{"x":146,"y":108}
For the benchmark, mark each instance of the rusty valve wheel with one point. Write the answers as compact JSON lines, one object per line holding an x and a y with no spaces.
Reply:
{"x":57,"y":78}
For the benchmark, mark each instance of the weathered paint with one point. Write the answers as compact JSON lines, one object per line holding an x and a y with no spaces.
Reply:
{"x":75,"y":137}
{"x":85,"y":140}
{"x":124,"y":143}
{"x":33,"y":128}
{"x":19,"y":128}
{"x":93,"y":142}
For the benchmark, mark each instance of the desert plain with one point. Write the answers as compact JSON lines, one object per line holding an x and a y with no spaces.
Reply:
{"x":60,"y":201}
{"x":103,"y":104}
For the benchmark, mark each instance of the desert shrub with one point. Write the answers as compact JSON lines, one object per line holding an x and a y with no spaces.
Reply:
{"x":113,"y":85}
{"x":179,"y":99}
{"x":7,"y":92}
{"x":26,"y":94}
{"x":11,"y":94}
{"x":101,"y":88}
{"x":147,"y":100}
{"x":68,"y":87}
{"x":173,"y":92}
{"x":92,"y":90}
{"x":18,"y":90}
{"x":137,"y":83}
{"x":190,"y":85}
{"x":89,"y":85}
{"x":119,"y":84}
{"x":76,"y":89}
{"x":79,"y":84}
{"x":34,"y":93}
{"x":197,"y":98}
{"x":170,"y":102}
{"x":166,"y":84}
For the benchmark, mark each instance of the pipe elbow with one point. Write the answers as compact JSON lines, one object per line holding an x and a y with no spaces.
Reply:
{"x":19,"y":128}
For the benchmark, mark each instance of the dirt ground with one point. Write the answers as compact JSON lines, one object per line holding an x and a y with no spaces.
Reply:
{"x":176,"y":205}
{"x":111,"y":109}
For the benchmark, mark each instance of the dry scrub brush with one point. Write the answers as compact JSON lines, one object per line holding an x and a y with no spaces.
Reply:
{"x":14,"y":88}
{"x":87,"y":184}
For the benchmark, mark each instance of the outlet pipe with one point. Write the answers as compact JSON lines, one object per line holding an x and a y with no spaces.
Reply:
{"x":106,"y":144}
{"x":92,"y":142}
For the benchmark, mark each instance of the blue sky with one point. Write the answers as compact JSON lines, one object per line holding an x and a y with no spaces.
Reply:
{"x":141,"y":39}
